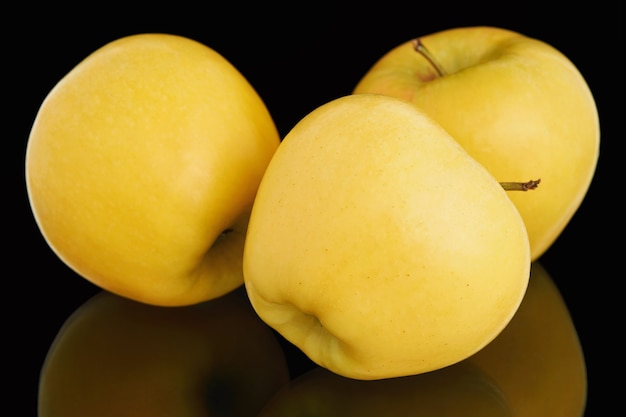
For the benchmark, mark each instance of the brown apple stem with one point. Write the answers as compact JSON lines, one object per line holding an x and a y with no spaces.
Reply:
{"x":420,"y":48}
{"x":508,"y":186}
{"x":520,"y":186}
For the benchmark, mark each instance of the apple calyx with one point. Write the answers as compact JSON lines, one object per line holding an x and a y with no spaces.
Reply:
{"x":521,"y":186}
{"x":422,"y":50}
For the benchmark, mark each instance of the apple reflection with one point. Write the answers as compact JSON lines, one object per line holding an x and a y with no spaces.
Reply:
{"x":460,"y":389}
{"x":534,"y":368}
{"x":114,"y":356}
{"x":117,"y":357}
{"x":537,"y":360}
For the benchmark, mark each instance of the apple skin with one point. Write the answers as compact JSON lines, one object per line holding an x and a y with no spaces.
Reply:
{"x":516,"y":104}
{"x":378,"y":246}
{"x":534,"y":368}
{"x":460,"y":389}
{"x":537,"y":360}
{"x":142,"y":165}
{"x":118,"y":357}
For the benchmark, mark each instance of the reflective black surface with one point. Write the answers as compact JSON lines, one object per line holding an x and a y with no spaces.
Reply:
{"x":297,"y":61}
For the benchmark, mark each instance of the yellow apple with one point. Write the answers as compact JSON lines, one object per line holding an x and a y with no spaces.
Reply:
{"x":142,"y":164}
{"x":118,"y":357}
{"x":378,"y":246}
{"x":458,"y":390}
{"x":516,"y":104}
{"x":537,"y":360}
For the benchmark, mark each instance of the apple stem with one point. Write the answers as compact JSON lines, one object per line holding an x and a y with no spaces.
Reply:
{"x":420,"y":48}
{"x":520,"y":186}
{"x":508,"y":186}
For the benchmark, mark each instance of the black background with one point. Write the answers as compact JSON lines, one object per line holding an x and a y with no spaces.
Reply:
{"x":299,"y":57}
